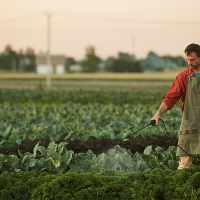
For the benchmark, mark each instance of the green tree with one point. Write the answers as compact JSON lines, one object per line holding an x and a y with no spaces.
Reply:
{"x":125,"y":63}
{"x":69,"y":61}
{"x":8,"y":59}
{"x":29,"y":60}
{"x":91,"y":61}
{"x":109,"y":63}
{"x":11,"y":60}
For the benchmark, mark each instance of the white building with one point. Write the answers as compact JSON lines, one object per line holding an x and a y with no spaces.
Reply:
{"x":76,"y":68}
{"x":57,"y":64}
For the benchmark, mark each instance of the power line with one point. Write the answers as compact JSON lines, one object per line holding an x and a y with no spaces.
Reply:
{"x":20,"y":18}
{"x":107,"y":19}
{"x":128,"y":20}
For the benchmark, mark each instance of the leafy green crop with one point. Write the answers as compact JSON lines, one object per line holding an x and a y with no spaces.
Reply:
{"x":57,"y":159}
{"x":107,"y":184}
{"x":75,"y":121}
{"x":47,"y":114}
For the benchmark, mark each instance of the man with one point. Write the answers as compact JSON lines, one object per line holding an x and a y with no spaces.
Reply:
{"x":186,"y":86}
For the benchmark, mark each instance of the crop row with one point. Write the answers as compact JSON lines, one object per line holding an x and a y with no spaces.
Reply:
{"x":107,"y":184}
{"x":54,"y":115}
{"x":135,"y":96}
{"x":57,"y":172}
{"x":57,"y":159}
{"x":75,"y":121}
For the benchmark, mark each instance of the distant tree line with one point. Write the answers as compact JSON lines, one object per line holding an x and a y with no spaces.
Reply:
{"x":22,"y":61}
{"x":125,"y":62}
{"x":25,"y":61}
{"x":158,"y":63}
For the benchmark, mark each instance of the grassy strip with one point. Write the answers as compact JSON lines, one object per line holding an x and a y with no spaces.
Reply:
{"x":94,"y":76}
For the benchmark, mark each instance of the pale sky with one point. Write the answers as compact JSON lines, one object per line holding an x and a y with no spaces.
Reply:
{"x":136,"y":27}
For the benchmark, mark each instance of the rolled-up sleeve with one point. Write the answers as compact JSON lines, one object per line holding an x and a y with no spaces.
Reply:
{"x":176,"y":92}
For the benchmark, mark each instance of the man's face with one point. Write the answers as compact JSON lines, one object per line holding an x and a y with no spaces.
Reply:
{"x":193,"y":61}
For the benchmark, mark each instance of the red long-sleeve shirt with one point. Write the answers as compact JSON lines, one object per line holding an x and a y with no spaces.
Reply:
{"x":178,"y":89}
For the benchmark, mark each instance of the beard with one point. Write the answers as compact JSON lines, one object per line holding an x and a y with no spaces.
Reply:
{"x":194,"y":66}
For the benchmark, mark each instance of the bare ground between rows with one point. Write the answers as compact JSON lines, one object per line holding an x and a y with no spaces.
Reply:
{"x":98,"y":146}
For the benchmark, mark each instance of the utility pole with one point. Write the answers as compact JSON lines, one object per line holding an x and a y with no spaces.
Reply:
{"x":48,"y":80}
{"x":133,"y":44}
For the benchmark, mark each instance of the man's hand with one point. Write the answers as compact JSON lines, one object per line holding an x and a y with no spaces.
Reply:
{"x":163,"y":108}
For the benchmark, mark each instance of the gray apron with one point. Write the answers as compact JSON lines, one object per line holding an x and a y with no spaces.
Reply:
{"x":189,"y":136}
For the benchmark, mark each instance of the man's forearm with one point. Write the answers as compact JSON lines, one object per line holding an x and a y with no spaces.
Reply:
{"x":163,"y":108}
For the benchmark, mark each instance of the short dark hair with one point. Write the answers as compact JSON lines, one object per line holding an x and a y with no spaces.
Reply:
{"x":193,"y":48}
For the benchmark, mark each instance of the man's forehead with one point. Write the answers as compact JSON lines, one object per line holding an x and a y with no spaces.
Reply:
{"x":192,"y":54}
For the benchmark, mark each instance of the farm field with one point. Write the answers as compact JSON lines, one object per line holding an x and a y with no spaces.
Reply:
{"x":53,"y":139}
{"x":87,"y":81}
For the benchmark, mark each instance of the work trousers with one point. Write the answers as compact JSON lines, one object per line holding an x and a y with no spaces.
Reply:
{"x":185,"y":162}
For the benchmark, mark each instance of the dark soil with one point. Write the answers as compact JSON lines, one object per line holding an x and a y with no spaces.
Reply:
{"x":98,"y":146}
